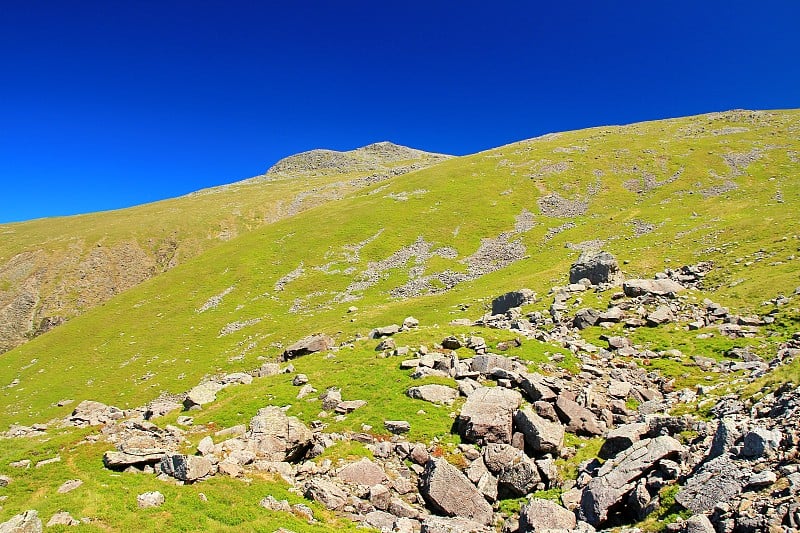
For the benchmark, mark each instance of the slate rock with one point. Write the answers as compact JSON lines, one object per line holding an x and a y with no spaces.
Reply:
{"x":597,"y":266}
{"x":718,"y":480}
{"x":487,"y":415}
{"x":542,"y":515}
{"x":541,"y":435}
{"x":312,"y":344}
{"x":518,"y":478}
{"x":450,"y":492}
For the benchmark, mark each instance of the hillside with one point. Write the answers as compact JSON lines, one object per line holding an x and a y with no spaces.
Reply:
{"x":437,"y":244}
{"x":54,"y":269}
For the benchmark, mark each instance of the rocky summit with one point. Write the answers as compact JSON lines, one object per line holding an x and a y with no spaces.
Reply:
{"x":595,"y":330}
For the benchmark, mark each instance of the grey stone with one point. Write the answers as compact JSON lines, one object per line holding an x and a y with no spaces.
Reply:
{"x":509,"y":300}
{"x":326,"y":493}
{"x":487,"y":415}
{"x":380,"y":496}
{"x":544,"y":515}
{"x":62,"y":519}
{"x":279,"y":437}
{"x":308,"y":345}
{"x":331,"y":398}
{"x":726,"y":435}
{"x":433,"y":393}
{"x":150,"y":499}
{"x":597,"y":266}
{"x":585,"y":318}
{"x":384,"y":331}
{"x":380,"y":520}
{"x":438,"y":524}
{"x":654,"y":287}
{"x":578,"y":420}
{"x":519,"y":477}
{"x":451,"y":493}
{"x":94,"y":413}
{"x":760,"y":441}
{"x":541,"y":435}
{"x":27,"y":522}
{"x":202,"y":394}
{"x":363,"y":472}
{"x":662,"y":315}
{"x":69,"y":486}
{"x":699,"y":523}
{"x":617,"y":477}
{"x":187,"y":468}
{"x":484,"y":363}
{"x":718,"y":480}
{"x":397,"y":426}
{"x":535,"y":388}
{"x":621,"y":438}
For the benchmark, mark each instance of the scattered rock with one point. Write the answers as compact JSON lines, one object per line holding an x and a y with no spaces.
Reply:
{"x":447,"y":490}
{"x":27,"y":522}
{"x":70,"y":485}
{"x":433,"y":393}
{"x":541,"y":435}
{"x":150,"y":499}
{"x":62,"y":519}
{"x":544,"y":515}
{"x":312,"y":344}
{"x":653,"y":287}
{"x":509,"y":300}
{"x":487,"y":415}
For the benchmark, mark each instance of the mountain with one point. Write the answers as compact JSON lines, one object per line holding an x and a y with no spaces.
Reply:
{"x":704,"y":206}
{"x":54,"y":269}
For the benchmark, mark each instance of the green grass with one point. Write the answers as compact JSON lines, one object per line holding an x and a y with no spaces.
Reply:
{"x":150,"y":339}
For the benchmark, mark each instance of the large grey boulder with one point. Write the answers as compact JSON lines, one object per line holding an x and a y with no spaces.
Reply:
{"x":441,"y":394}
{"x":187,"y":468}
{"x":699,"y":523}
{"x":93,"y":413}
{"x":760,"y":441}
{"x":718,"y":480}
{"x":150,"y":499}
{"x":535,"y":388}
{"x":509,"y":300}
{"x":541,"y":435}
{"x":621,"y":438}
{"x":119,"y":460}
{"x":597,"y":266}
{"x":487,"y":415}
{"x":544,"y":515}
{"x":617,"y":477}
{"x":519,"y":477}
{"x":578,"y":420}
{"x":450,"y":492}
{"x":312,"y":344}
{"x":279,"y":437}
{"x":484,"y":363}
{"x":585,"y":318}
{"x":27,"y":522}
{"x":439,"y":524}
{"x":202,"y":394}
{"x":363,"y":472}
{"x":654,"y":287}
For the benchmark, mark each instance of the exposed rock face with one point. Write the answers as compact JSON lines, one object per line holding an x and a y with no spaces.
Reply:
{"x":487,"y":415}
{"x":545,"y":515}
{"x":719,"y":480}
{"x":596,"y":266}
{"x":453,"y":494}
{"x":617,"y":477}
{"x":187,"y":468}
{"x":308,"y":345}
{"x":279,"y":437}
{"x":27,"y":522}
{"x":509,"y":300}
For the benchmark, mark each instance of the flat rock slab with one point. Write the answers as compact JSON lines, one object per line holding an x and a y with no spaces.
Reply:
{"x":578,"y":420}
{"x":450,"y":492}
{"x":719,"y":480}
{"x":655,"y":287}
{"x":617,"y":477}
{"x":487,"y":415}
{"x":363,"y":472}
{"x":186,"y":467}
{"x":441,"y":394}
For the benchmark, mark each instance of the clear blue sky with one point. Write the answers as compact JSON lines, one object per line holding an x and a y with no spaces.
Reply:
{"x":106,"y":104}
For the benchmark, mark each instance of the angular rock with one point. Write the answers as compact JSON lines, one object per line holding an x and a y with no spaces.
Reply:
{"x":484,"y":363}
{"x":150,"y":499}
{"x":326,"y":493}
{"x":27,"y":522}
{"x":578,"y":420}
{"x":451,"y":343}
{"x":62,"y":519}
{"x":312,"y":344}
{"x":544,"y":515}
{"x":541,"y":435}
{"x":279,"y":437}
{"x":385,"y":331}
{"x":440,"y":394}
{"x":760,"y":441}
{"x":363,"y":472}
{"x":718,"y":480}
{"x":519,"y":477}
{"x":597,"y":266}
{"x":451,"y":493}
{"x":380,"y":496}
{"x":699,"y":523}
{"x":509,"y":300}
{"x":621,"y":438}
{"x":202,"y":394}
{"x":69,"y":486}
{"x":487,"y":415}
{"x":95,"y":413}
{"x":617,"y":477}
{"x":349,"y":406}
{"x":725,"y":437}
{"x":438,"y":524}
{"x":585,"y":318}
{"x":380,"y":520}
{"x":331,"y":398}
{"x":662,"y":315}
{"x":187,"y":468}
{"x":397,"y":426}
{"x":160,"y":408}
{"x":654,"y":287}
{"x":536,"y":389}
{"x":116,"y":460}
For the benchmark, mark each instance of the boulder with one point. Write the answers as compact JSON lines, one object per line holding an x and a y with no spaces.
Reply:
{"x":509,"y":300}
{"x":312,"y":344}
{"x":616,"y":478}
{"x":760,"y":441}
{"x":585,"y":318}
{"x":535,"y":388}
{"x":331,"y":398}
{"x":202,"y":394}
{"x":326,"y":493}
{"x":518,"y":478}
{"x":487,"y":415}
{"x":62,"y":519}
{"x":542,"y":515}
{"x":397,"y":426}
{"x":363,"y":472}
{"x":94,"y":413}
{"x":718,"y":480}
{"x":662,"y":315}
{"x":187,"y":468}
{"x":484,"y":363}
{"x":150,"y":499}
{"x":120,"y":460}
{"x":27,"y":522}
{"x":440,"y":394}
{"x":597,"y":266}
{"x":621,"y":438}
{"x":542,"y":436}
{"x":578,"y":420}
{"x":279,"y":437}
{"x":726,"y":435}
{"x":160,"y":408}
{"x":699,"y":523}
{"x":438,"y":524}
{"x":653,"y":287}
{"x":450,"y":492}
{"x":385,"y":331}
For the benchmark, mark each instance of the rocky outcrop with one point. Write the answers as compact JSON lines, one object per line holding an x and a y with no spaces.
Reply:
{"x":312,"y":344}
{"x":487,"y":415}
{"x":597,"y":266}
{"x":27,"y":522}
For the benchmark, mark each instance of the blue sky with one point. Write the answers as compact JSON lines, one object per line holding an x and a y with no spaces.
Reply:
{"x":111,"y":104}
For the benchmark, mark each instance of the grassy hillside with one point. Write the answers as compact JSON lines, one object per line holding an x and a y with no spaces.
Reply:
{"x":437,"y":244}
{"x":54,"y":269}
